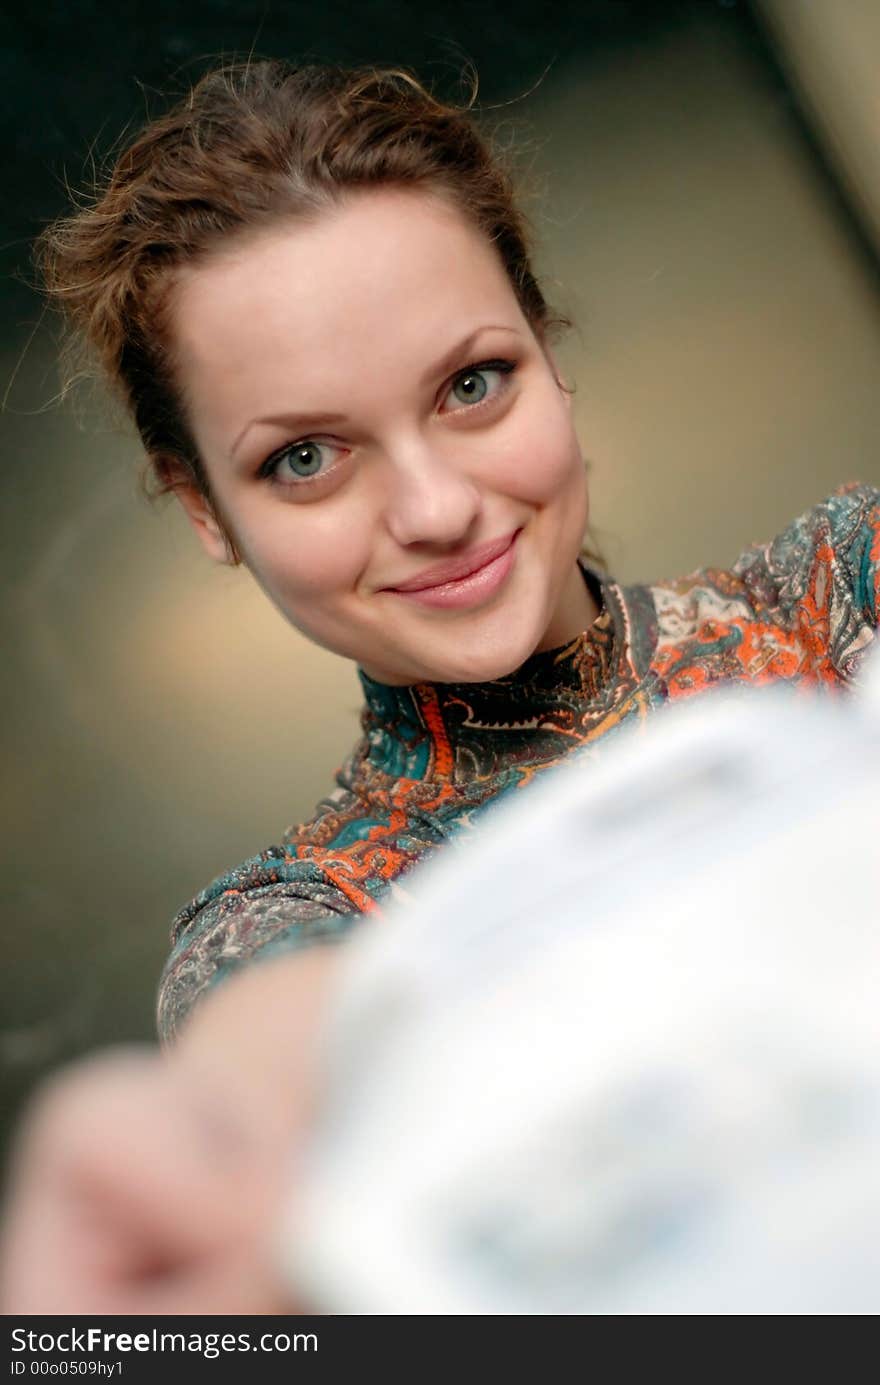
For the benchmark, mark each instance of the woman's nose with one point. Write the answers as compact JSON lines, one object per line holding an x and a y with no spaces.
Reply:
{"x":430,"y":500}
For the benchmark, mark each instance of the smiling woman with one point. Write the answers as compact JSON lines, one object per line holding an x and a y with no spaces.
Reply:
{"x":342,"y":513}
{"x":312,"y":289}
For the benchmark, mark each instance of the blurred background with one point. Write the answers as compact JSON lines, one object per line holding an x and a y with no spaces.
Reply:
{"x":709,"y":216}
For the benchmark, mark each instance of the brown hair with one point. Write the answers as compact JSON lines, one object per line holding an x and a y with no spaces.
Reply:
{"x":250,"y":145}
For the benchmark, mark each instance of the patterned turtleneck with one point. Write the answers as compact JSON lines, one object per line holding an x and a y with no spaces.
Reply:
{"x":433,"y":757}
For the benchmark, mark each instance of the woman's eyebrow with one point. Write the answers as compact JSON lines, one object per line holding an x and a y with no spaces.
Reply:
{"x":454,"y":356}
{"x":302,"y":422}
{"x":298,"y":423}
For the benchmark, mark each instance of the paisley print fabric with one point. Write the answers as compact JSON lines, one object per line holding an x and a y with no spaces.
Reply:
{"x":433,"y":757}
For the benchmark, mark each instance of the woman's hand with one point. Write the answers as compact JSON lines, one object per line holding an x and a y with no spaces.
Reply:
{"x":148,"y":1183}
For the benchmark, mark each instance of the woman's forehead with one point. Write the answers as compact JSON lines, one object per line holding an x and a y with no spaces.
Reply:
{"x":388,"y":278}
{"x":387,"y":241}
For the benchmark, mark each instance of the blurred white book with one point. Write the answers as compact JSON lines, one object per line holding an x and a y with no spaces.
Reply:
{"x":619,"y":1052}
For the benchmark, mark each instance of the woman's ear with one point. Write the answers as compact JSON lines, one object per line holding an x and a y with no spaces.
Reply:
{"x":198,"y":509}
{"x":204,"y":523}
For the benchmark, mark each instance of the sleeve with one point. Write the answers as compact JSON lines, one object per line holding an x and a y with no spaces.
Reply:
{"x":237,"y":926}
{"x":290,"y":896}
{"x":822,"y":576}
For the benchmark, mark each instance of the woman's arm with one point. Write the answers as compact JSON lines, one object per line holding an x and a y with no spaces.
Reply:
{"x":148,"y":1182}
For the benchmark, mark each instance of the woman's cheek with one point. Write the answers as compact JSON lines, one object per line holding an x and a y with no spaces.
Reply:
{"x":316,"y":555}
{"x":548,"y":464}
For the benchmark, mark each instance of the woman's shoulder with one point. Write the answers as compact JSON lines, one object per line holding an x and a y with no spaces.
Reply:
{"x":843,"y":529}
{"x":801,"y":605}
{"x":307,"y":888}
{"x":842,"y":532}
{"x":823,"y":571}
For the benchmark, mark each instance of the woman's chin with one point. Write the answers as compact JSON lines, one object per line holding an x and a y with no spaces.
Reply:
{"x":479,"y":665}
{"x":492,"y":645}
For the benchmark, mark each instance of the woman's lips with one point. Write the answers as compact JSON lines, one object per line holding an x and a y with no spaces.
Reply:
{"x":471,"y":588}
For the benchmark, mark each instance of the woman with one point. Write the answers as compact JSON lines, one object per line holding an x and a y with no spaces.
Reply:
{"x":313,"y":291}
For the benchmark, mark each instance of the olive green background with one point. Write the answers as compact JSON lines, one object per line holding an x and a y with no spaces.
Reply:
{"x":160,"y":721}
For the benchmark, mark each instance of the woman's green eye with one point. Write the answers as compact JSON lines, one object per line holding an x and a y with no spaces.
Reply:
{"x":305,"y":459}
{"x":470,"y":388}
{"x":478,"y":382}
{"x":302,"y":461}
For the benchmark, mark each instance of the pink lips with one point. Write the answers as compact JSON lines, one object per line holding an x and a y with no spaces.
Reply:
{"x":464,"y":581}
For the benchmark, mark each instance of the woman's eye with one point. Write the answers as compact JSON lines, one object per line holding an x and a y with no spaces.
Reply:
{"x":302,"y":461}
{"x":477,"y":383}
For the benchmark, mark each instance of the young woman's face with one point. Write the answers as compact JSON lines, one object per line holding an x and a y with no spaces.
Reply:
{"x":386,"y":440}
